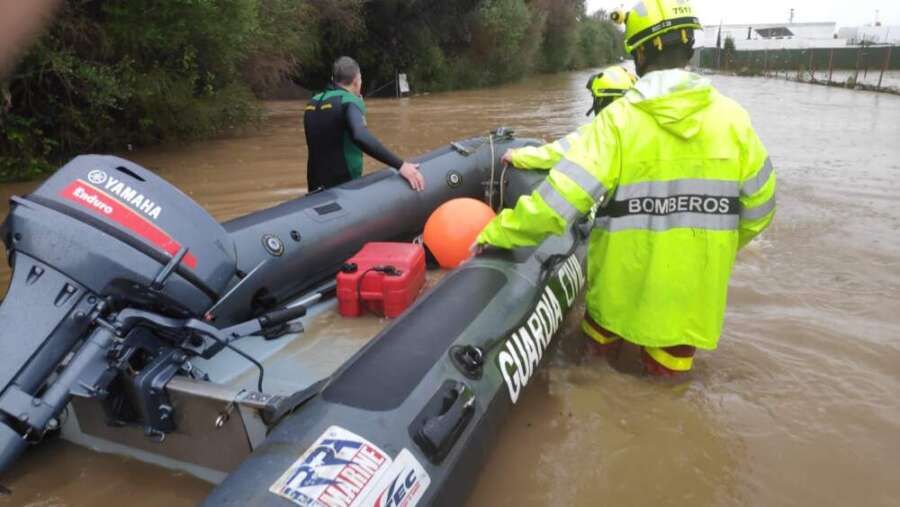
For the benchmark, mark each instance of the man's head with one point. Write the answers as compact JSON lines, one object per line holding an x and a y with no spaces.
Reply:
{"x":346,"y":74}
{"x":608,"y":86}
{"x":659,"y":34}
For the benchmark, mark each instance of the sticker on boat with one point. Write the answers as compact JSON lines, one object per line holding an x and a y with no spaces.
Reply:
{"x":403,"y":485}
{"x":341,"y":469}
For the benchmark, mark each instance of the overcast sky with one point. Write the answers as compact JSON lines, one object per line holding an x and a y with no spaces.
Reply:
{"x":844,"y":13}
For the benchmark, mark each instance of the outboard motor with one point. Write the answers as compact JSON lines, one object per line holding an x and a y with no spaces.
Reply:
{"x":100,"y":226}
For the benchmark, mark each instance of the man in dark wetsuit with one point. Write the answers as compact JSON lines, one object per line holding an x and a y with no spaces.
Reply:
{"x":337,"y":136}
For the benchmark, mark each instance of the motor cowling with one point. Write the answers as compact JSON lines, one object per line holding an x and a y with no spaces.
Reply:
{"x":113,"y":226}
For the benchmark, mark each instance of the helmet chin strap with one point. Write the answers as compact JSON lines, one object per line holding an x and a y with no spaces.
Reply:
{"x":640,"y":61}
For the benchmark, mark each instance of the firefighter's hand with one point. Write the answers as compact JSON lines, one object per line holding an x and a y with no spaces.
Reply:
{"x":411,"y":173}
{"x":507,"y":157}
{"x":474,"y":251}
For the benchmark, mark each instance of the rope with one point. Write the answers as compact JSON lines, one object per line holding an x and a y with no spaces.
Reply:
{"x":389,"y":83}
{"x":493,"y":167}
{"x":259,"y":366}
{"x":502,"y":185}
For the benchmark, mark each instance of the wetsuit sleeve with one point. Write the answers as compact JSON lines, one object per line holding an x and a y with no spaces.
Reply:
{"x":757,"y":190}
{"x":367,"y":142}
{"x":574,"y":186}
{"x":548,"y":155}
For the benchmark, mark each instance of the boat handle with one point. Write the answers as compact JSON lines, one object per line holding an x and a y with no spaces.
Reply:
{"x":281,"y":316}
{"x":443,"y":420}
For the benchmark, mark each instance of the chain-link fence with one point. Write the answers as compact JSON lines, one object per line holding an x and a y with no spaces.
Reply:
{"x":870,"y":67}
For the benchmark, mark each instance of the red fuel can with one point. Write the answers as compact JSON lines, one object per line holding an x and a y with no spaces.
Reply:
{"x":385,"y":278}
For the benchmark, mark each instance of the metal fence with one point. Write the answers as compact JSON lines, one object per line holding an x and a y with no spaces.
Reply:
{"x":870,"y":67}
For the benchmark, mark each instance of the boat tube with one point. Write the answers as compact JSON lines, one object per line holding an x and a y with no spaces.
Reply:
{"x":136,"y":324}
{"x":407,"y":421}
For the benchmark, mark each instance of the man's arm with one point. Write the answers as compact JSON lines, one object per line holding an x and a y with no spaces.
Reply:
{"x":757,"y":191}
{"x":369,"y":144}
{"x":574,"y":186}
{"x":546,"y":156}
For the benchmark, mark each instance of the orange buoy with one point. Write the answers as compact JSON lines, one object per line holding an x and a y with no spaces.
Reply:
{"x":452,"y":229}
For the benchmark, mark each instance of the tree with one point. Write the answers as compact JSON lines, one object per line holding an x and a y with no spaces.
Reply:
{"x":106,"y":75}
{"x":729,"y":51}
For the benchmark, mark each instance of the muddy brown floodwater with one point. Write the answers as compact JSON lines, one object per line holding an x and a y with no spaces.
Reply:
{"x":799,"y":406}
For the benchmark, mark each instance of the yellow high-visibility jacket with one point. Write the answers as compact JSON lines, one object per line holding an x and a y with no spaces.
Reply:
{"x":686,"y":183}
{"x":548,"y":155}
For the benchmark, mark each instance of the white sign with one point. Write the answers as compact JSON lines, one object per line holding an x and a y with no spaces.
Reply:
{"x":403,"y":83}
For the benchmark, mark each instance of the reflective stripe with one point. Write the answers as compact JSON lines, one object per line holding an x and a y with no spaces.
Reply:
{"x":595,"y":335}
{"x":667,"y":222}
{"x":671,"y":362}
{"x":755,"y":184}
{"x":582,"y":177}
{"x":557,"y":202}
{"x":671,"y":23}
{"x":602,"y":222}
{"x":566,"y":142}
{"x":724,"y":188}
{"x":759,"y":211}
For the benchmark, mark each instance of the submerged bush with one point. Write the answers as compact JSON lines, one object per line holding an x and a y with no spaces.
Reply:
{"x":107,"y":75}
{"x":111,"y":74}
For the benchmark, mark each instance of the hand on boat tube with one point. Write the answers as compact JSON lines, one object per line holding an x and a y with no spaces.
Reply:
{"x":474,"y":251}
{"x":479,"y":249}
{"x":413,"y":176}
{"x":507,"y":157}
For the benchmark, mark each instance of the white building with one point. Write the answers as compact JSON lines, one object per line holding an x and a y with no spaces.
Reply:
{"x":774,"y":35}
{"x":870,"y":34}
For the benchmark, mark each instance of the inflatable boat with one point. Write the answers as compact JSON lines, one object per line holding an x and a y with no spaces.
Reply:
{"x":138,"y":325}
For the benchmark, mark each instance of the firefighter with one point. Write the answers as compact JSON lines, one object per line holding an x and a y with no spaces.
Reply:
{"x":685,"y":183}
{"x":609,"y":85}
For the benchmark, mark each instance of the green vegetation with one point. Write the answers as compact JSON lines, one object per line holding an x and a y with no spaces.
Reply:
{"x":728,"y":51}
{"x":107,"y":75}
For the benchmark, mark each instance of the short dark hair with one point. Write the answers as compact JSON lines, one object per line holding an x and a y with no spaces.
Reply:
{"x":674,"y":54}
{"x":345,"y":70}
{"x":671,"y":57}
